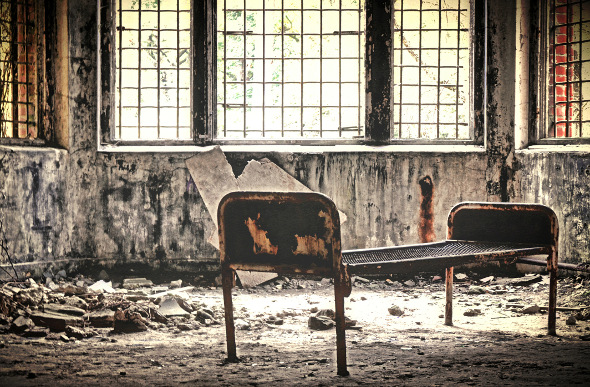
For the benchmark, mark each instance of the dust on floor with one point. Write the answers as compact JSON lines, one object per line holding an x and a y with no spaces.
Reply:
{"x":493,"y":341}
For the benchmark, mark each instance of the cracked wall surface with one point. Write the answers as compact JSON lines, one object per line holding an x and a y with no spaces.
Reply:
{"x":81,"y":204}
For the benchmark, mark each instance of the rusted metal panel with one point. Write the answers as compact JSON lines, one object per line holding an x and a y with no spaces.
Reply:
{"x":282,"y":231}
{"x":503,"y":222}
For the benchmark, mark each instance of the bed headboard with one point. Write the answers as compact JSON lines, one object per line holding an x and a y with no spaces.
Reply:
{"x":503,"y":222}
{"x":285,"y":232}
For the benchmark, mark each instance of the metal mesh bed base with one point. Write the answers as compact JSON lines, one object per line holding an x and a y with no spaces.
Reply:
{"x":434,"y":255}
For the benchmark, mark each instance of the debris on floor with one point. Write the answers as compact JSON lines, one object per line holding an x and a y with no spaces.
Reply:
{"x":80,"y":308}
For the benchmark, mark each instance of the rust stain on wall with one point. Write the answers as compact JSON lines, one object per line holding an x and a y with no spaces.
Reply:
{"x":426,"y":228}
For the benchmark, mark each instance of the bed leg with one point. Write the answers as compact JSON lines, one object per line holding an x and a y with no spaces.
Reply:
{"x":230,"y":331}
{"x":449,"y":296}
{"x":552,"y":302}
{"x":340,"y":330}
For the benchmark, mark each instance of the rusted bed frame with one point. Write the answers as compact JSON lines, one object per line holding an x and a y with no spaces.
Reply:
{"x":299,"y":233}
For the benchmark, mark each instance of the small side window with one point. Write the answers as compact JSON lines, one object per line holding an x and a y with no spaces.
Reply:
{"x":18,"y":70}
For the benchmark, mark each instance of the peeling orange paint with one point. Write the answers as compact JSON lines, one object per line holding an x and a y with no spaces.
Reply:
{"x":262,"y":244}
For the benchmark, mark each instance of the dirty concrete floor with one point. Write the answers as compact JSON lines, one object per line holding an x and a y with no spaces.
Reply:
{"x":497,"y":347}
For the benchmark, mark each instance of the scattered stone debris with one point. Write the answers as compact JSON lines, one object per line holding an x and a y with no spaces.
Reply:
{"x":571,"y":320}
{"x":473,"y":289}
{"x":320,"y":323}
{"x":472,"y":312}
{"x":127,"y":321}
{"x":102,"y":287}
{"x":583,"y":315}
{"x":68,"y":309}
{"x":395,"y":310}
{"x":103,"y":275}
{"x":460,"y":276}
{"x":531,"y":309}
{"x":175,"y":284}
{"x":134,"y":283}
{"x":170,"y":307}
{"x":528,"y":279}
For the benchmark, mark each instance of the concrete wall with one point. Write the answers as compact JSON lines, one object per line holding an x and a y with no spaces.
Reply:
{"x":80,"y":204}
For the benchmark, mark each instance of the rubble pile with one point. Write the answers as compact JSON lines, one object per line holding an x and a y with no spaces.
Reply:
{"x":77,"y":308}
{"x":68,"y":309}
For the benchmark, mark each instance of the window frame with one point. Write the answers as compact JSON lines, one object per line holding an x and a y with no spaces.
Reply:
{"x":540,"y":68}
{"x":378,"y":79}
{"x":477,"y":82}
{"x":45,"y":16}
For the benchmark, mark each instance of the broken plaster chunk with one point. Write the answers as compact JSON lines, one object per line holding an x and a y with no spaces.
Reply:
{"x":214,"y":178}
{"x":170,"y":307}
{"x":133,"y":283}
{"x":102,"y":287}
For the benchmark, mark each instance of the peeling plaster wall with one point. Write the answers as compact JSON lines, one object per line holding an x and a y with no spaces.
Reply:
{"x":33,"y":203}
{"x":561,"y":181}
{"x":78,"y":203}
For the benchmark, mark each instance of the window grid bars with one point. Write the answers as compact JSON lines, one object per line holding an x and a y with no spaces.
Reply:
{"x":568,"y":60}
{"x":122,"y":128}
{"x":458,"y":71}
{"x":401,"y":66}
{"x":19,"y":90}
{"x":264,"y":107}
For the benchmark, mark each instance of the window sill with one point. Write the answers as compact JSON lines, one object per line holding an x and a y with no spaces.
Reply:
{"x":556,"y":148}
{"x":427,"y":148}
{"x":29,"y":148}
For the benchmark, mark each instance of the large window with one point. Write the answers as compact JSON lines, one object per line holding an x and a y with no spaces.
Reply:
{"x":152,"y":66}
{"x":18,"y":69}
{"x":283,"y":71}
{"x":290,"y":69}
{"x":431,"y":69}
{"x":568,"y":78}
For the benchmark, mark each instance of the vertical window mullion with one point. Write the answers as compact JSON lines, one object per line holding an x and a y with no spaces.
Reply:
{"x":438,"y":89}
{"x":283,"y":68}
{"x":567,"y":69}
{"x":120,"y":64}
{"x":458,"y":82}
{"x":401,"y":67}
{"x":225,"y":107}
{"x":263,"y":69}
{"x":178,"y":69}
{"x":554,"y":71}
{"x":420,"y":73}
{"x":14,"y":65}
{"x":321,"y":69}
{"x":359,"y":54}
{"x":140,"y":33}
{"x":302,"y":75}
{"x":340,"y":70}
{"x":244,"y":71}
{"x":158,"y":67}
